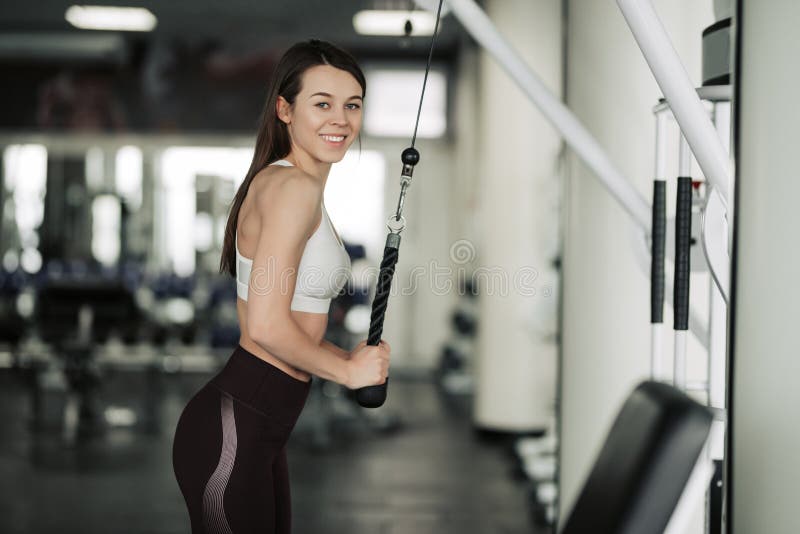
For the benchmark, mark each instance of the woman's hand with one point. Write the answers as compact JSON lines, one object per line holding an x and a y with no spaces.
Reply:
{"x":368,"y":365}
{"x":363,"y":343}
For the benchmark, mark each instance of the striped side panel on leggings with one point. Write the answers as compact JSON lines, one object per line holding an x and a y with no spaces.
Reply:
{"x":213,"y":509}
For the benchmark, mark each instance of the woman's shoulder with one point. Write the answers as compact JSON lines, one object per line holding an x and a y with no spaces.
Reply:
{"x":287,"y":187}
{"x":279,"y":179}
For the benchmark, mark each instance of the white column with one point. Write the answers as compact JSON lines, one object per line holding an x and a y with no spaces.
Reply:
{"x":765,"y":352}
{"x":605,"y":314}
{"x":518,"y":227}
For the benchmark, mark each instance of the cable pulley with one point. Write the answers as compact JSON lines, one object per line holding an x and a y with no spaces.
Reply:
{"x":375,"y":396}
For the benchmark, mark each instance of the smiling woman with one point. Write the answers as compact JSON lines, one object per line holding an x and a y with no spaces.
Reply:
{"x":229,"y":450}
{"x":323,"y":123}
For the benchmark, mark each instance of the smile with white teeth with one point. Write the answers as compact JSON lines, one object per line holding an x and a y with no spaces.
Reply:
{"x":334,"y":138}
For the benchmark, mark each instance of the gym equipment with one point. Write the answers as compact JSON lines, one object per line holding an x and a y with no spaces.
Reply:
{"x":539,"y":462}
{"x":73,"y":314}
{"x":683,"y":237}
{"x":375,"y":396}
{"x":717,"y":53}
{"x":708,"y":138}
{"x":332,"y":411}
{"x":221,"y":314}
{"x":649,"y":468}
{"x":713,"y":159}
{"x":658,"y":238}
{"x":673,"y":80}
{"x":174,"y":315}
{"x":712,"y":233}
{"x":575,"y":134}
{"x":455,"y":369}
{"x":63,"y":304}
{"x":12,"y":324}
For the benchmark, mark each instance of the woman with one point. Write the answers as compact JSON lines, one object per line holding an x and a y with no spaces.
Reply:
{"x":229,"y":451}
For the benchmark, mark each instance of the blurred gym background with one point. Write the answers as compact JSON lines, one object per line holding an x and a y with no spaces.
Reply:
{"x":122,"y":147}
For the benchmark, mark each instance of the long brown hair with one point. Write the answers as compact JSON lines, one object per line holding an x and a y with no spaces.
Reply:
{"x":273,"y":142}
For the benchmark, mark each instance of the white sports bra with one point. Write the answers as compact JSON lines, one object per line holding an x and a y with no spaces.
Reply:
{"x":323,"y":271}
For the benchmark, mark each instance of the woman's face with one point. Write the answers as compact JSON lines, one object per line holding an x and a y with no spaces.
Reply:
{"x":326,"y":115}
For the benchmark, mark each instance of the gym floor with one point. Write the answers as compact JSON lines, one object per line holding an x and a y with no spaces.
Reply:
{"x":432,"y":473}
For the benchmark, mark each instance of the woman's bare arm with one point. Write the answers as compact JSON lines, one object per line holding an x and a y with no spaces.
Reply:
{"x":288,"y":212}
{"x":340,"y":352}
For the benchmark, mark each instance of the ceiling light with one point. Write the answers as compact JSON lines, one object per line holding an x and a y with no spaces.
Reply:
{"x":136,"y":19}
{"x":67,"y":46}
{"x":381,"y":22}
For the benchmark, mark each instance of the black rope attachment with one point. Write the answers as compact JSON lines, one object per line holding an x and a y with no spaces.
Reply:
{"x":375,"y":396}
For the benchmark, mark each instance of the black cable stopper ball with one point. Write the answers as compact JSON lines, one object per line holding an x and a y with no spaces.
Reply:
{"x":410,"y":156}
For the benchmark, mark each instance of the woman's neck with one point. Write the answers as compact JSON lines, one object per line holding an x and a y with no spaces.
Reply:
{"x":316,"y":168}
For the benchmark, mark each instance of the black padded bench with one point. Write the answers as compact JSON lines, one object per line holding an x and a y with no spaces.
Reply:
{"x":644,"y":465}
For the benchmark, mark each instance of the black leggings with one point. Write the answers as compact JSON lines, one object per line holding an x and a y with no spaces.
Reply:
{"x":229,"y":451}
